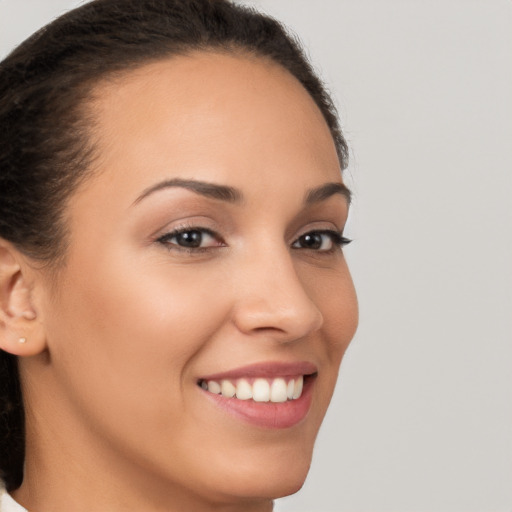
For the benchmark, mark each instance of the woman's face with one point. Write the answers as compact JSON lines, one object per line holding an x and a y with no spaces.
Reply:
{"x":205,"y":253}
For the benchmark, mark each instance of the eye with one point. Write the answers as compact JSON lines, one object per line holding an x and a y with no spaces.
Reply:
{"x":322,"y":241}
{"x":191,"y":238}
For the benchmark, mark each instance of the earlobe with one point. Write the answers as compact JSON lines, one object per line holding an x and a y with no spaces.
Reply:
{"x":21,"y":331}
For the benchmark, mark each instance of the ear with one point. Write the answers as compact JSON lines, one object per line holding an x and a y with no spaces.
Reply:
{"x":21,"y":331}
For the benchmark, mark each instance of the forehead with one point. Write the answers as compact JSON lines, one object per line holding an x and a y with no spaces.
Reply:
{"x":207,"y":110}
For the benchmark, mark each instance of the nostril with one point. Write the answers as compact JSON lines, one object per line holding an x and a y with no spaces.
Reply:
{"x":269,"y":328}
{"x":285,"y":323}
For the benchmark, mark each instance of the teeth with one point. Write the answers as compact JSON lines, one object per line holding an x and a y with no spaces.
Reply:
{"x":214,"y":387}
{"x":243,"y":390}
{"x":278,"y":391}
{"x":262,"y":390}
{"x":289,"y":389}
{"x":297,"y":388}
{"x":227,"y":389}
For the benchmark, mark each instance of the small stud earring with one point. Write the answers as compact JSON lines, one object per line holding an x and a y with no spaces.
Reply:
{"x":22,"y":340}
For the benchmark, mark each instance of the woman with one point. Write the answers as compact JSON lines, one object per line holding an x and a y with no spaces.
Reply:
{"x":175,"y":302}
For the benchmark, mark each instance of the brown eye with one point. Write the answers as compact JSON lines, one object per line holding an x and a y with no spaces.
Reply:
{"x":189,"y":239}
{"x":193,"y":238}
{"x":312,"y":241}
{"x":323,"y":241}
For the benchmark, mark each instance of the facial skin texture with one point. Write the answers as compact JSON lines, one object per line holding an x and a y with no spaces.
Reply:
{"x":116,"y":419}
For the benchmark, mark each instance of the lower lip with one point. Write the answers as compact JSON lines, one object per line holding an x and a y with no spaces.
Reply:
{"x":268,"y":415}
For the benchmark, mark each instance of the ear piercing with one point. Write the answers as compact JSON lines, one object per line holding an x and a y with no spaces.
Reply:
{"x":22,"y":340}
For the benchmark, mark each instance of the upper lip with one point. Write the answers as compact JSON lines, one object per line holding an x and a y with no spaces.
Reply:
{"x":270,"y":369}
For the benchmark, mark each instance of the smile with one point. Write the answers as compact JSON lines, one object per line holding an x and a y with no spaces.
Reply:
{"x":270,"y":395}
{"x":277,"y":390}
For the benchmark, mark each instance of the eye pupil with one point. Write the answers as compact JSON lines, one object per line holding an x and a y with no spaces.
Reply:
{"x":190,"y":238}
{"x":311,"y":241}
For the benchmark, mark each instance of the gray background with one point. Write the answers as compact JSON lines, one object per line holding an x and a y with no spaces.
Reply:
{"x":422,"y":417}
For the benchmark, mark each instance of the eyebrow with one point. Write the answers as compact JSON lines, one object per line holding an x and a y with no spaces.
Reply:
{"x":328,"y":190}
{"x":220,"y":192}
{"x":233,"y":195}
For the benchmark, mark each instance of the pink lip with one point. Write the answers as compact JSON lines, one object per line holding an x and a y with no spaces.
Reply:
{"x":270,"y":369}
{"x":267,"y":415}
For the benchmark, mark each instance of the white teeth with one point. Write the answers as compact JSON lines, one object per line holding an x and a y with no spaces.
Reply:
{"x":262,"y":390}
{"x":289,"y":389}
{"x":243,"y":390}
{"x":214,"y":387}
{"x":278,"y":391}
{"x":227,"y":389}
{"x":297,"y":388}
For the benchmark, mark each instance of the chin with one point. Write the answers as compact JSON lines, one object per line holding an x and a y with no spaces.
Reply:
{"x":290,"y":485}
{"x":274,"y":478}
{"x":267,"y":488}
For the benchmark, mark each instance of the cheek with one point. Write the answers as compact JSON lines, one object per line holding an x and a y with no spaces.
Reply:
{"x":130,"y":337}
{"x":148,"y":304}
{"x":341,"y":315}
{"x":333,"y":292}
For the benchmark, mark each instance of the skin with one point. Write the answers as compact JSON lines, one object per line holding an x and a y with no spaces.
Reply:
{"x":117,"y":342}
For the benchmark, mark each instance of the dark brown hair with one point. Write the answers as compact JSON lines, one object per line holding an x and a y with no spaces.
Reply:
{"x":45,"y":150}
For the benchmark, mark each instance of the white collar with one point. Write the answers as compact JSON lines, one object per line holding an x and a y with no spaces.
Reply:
{"x":7,"y":504}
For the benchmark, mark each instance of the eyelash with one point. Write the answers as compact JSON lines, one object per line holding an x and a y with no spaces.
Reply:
{"x":337,"y":239}
{"x":166,"y":239}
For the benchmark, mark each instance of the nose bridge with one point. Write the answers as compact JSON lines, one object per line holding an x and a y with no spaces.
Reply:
{"x":271,"y":297}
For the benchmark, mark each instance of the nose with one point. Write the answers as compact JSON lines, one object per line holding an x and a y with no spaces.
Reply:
{"x":271,"y":299}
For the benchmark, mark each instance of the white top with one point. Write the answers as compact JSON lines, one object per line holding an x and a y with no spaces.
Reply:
{"x":7,"y":504}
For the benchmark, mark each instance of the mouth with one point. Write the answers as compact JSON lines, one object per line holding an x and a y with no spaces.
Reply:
{"x":269,"y":395}
{"x":277,"y":390}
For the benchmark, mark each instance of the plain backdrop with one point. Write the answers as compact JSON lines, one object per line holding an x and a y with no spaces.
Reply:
{"x":422,"y":416}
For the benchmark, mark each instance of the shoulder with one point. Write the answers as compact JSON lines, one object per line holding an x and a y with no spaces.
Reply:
{"x":7,"y":504}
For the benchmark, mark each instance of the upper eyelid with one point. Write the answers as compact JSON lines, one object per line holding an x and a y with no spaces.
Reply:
{"x":320,"y":227}
{"x":212,"y":228}
{"x":181,"y":226}
{"x":179,"y":230}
